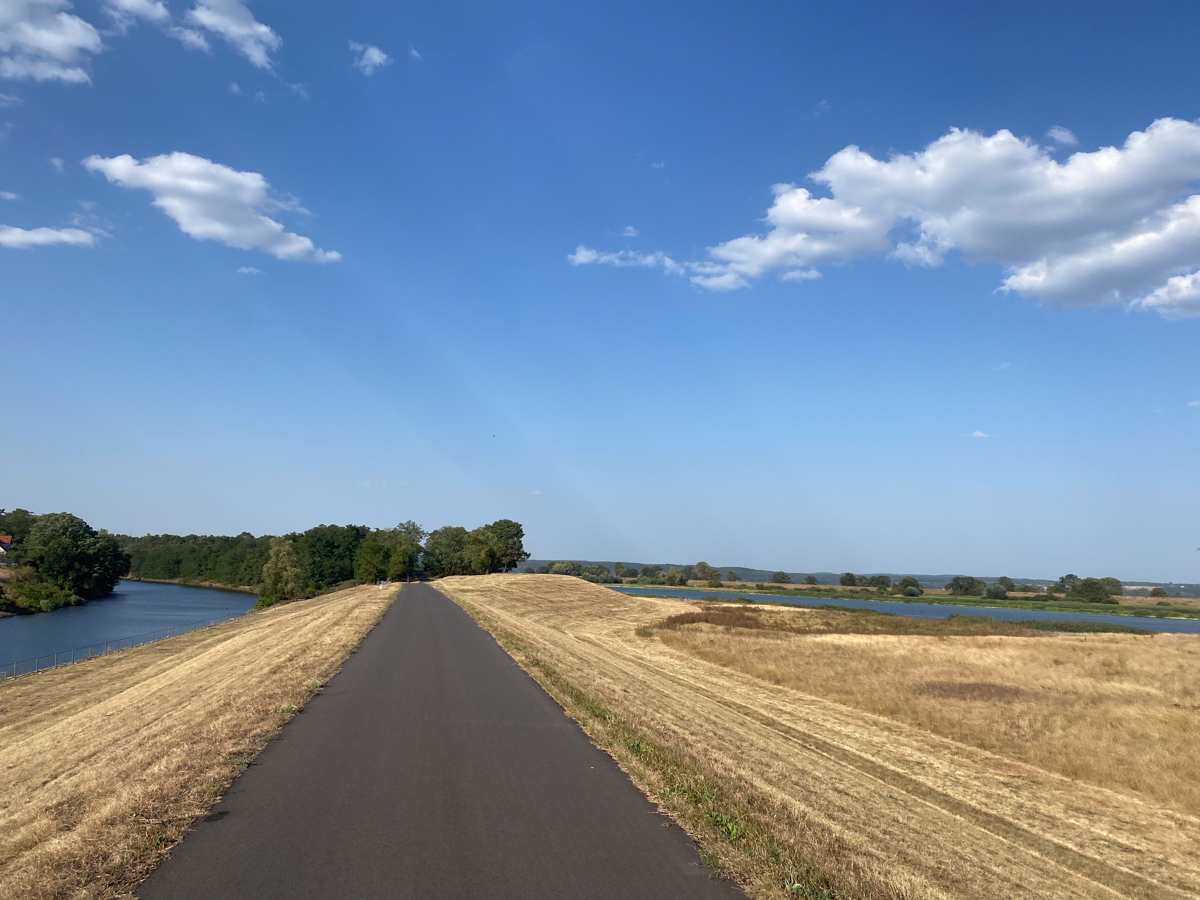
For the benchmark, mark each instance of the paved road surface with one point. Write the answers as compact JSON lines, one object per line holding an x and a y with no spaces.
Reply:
{"x":432,"y":767}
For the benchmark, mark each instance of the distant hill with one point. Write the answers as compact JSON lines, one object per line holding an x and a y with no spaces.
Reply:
{"x":928,"y":581}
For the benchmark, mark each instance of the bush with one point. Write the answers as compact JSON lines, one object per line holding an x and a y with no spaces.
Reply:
{"x":1158,"y":592}
{"x":26,"y":593}
{"x":781,"y":578}
{"x":1092,"y":590}
{"x":810,"y":579}
{"x":848,"y":580}
{"x":911,"y":591}
{"x":996,"y":592}
{"x":732,"y":576}
{"x":966,"y":586}
{"x":909,"y":587}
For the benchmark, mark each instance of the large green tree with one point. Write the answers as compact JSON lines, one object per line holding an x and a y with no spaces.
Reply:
{"x":67,"y":552}
{"x":444,"y":552}
{"x":509,"y":537}
{"x":371,"y":561}
{"x":282,"y":577}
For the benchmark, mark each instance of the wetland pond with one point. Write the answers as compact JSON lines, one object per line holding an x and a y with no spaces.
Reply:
{"x":933,"y":610}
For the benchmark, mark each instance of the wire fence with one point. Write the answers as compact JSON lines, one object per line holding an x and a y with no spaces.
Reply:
{"x":66,"y":657}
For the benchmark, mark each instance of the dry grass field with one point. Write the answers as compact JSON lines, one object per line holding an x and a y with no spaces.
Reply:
{"x":104,"y":764}
{"x":814,"y":763}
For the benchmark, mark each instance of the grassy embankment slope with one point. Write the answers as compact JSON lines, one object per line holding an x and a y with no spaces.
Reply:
{"x":809,"y":762}
{"x":104,"y":764}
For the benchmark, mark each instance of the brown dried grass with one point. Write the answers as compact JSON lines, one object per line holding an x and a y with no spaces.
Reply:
{"x":106,"y":763}
{"x":1117,"y":711}
{"x":879,"y":806}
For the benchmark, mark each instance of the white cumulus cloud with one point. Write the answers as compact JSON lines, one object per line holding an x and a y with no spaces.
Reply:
{"x":40,"y":39}
{"x":22,"y":238}
{"x":232,"y":21}
{"x":249,"y":270}
{"x":629,"y":231}
{"x":979,"y":434}
{"x":1118,"y":224}
{"x":368,"y":58}
{"x":212,"y":202}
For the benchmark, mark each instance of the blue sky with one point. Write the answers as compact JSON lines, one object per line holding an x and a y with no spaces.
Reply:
{"x":531,"y":261}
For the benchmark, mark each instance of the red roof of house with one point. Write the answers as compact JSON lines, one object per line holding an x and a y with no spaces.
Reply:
{"x":5,"y":539}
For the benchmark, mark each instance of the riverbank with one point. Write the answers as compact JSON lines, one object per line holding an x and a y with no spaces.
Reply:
{"x":105,"y":764}
{"x":211,"y":585}
{"x":818,"y":764}
{"x":1155,"y":610}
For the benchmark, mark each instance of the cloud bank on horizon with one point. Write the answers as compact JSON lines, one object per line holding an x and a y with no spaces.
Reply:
{"x":212,"y":202}
{"x":1114,"y":225}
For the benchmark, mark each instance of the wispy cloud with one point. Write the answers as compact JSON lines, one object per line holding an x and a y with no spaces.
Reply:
{"x":979,"y":434}
{"x":249,"y":270}
{"x":1061,"y":135}
{"x":629,"y":231}
{"x":1194,"y":403}
{"x":232,"y":21}
{"x":584,"y":256}
{"x":368,"y":58}
{"x":9,"y":195}
{"x":1002,"y":367}
{"x":23,"y":239}
{"x":57,"y":163}
{"x":412,"y":52}
{"x":658,"y":165}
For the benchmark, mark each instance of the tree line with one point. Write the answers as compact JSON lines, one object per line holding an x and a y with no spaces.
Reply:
{"x":56,"y":560}
{"x":303,"y":563}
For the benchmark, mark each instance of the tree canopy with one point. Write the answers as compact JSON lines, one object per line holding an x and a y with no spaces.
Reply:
{"x":63,"y":561}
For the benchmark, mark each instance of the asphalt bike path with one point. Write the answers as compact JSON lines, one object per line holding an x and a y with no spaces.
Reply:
{"x":432,"y":767}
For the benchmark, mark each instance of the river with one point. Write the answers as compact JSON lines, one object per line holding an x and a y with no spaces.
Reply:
{"x":134,"y":608}
{"x":939,"y":611}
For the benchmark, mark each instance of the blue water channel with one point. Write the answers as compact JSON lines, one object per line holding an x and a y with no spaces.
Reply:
{"x":936,"y":610}
{"x":134,"y":608}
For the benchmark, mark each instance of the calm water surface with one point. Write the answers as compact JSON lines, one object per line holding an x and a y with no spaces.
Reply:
{"x":938,"y":611}
{"x":135,"y":607}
